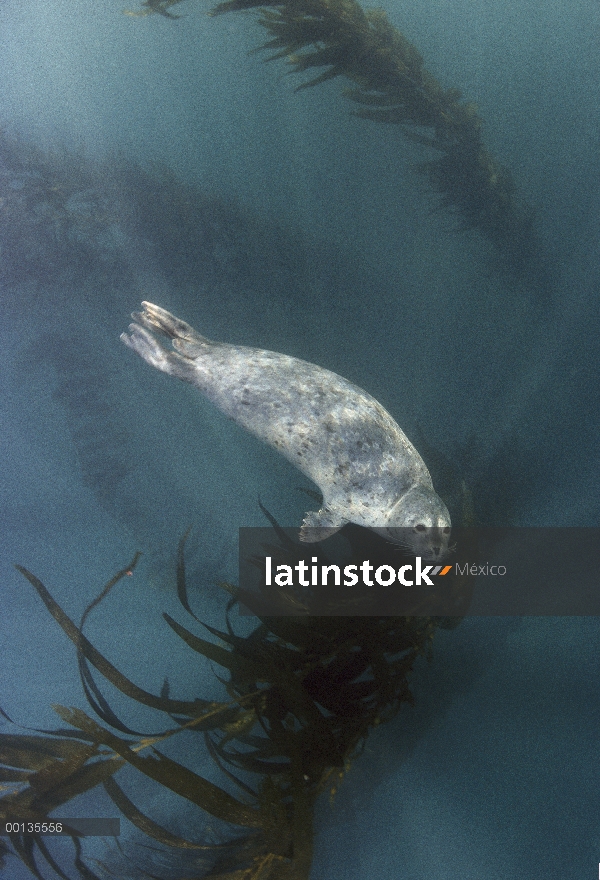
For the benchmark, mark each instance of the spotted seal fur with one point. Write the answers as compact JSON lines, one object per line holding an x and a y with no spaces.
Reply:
{"x":340,"y":437}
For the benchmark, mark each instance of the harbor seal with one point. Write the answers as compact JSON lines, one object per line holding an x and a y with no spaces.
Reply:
{"x":340,"y":437}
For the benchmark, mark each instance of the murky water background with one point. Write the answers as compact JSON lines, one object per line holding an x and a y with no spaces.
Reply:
{"x":314,"y":239}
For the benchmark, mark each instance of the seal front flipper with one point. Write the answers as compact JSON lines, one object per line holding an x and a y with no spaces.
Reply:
{"x":318,"y":525}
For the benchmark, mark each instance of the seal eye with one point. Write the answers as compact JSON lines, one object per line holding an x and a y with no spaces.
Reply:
{"x":420,"y":528}
{"x":447,"y":530}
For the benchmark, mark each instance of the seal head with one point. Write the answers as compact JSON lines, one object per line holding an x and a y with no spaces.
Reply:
{"x":419,"y":522}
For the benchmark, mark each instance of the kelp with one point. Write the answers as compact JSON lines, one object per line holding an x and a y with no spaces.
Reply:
{"x":391,"y":85}
{"x":302,"y":695}
{"x":66,"y":215}
{"x":160,"y":7}
{"x":58,"y":217}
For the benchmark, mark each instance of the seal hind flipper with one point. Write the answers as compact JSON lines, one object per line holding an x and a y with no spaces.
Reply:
{"x":149,"y":349}
{"x":321,"y":524}
{"x":185,"y":339}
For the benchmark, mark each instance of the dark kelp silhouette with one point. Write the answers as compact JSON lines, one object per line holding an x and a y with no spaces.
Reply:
{"x":391,"y":85}
{"x":67,"y":218}
{"x":56,"y":215}
{"x":303,"y":694}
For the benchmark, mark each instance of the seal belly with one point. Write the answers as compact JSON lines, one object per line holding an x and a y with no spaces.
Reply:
{"x":334,"y":432}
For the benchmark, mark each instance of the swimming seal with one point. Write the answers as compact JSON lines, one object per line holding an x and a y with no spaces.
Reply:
{"x":340,"y":437}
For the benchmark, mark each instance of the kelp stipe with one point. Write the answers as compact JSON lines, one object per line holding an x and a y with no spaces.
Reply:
{"x":303,"y":694}
{"x":391,"y":85}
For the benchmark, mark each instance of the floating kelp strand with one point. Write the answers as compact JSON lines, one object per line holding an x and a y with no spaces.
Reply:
{"x":110,"y":672}
{"x":394,"y":87}
{"x":170,"y":774}
{"x":144,"y":823}
{"x":303,"y":699}
{"x":68,"y":770}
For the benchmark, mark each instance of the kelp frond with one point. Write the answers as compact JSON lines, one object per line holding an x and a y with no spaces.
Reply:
{"x":391,"y":85}
{"x":302,"y":697}
{"x":158,"y":7}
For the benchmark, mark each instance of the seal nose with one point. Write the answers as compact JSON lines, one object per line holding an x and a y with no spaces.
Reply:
{"x":436,"y":551}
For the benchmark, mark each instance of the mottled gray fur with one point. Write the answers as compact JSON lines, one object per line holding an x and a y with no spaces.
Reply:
{"x":338,"y":435}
